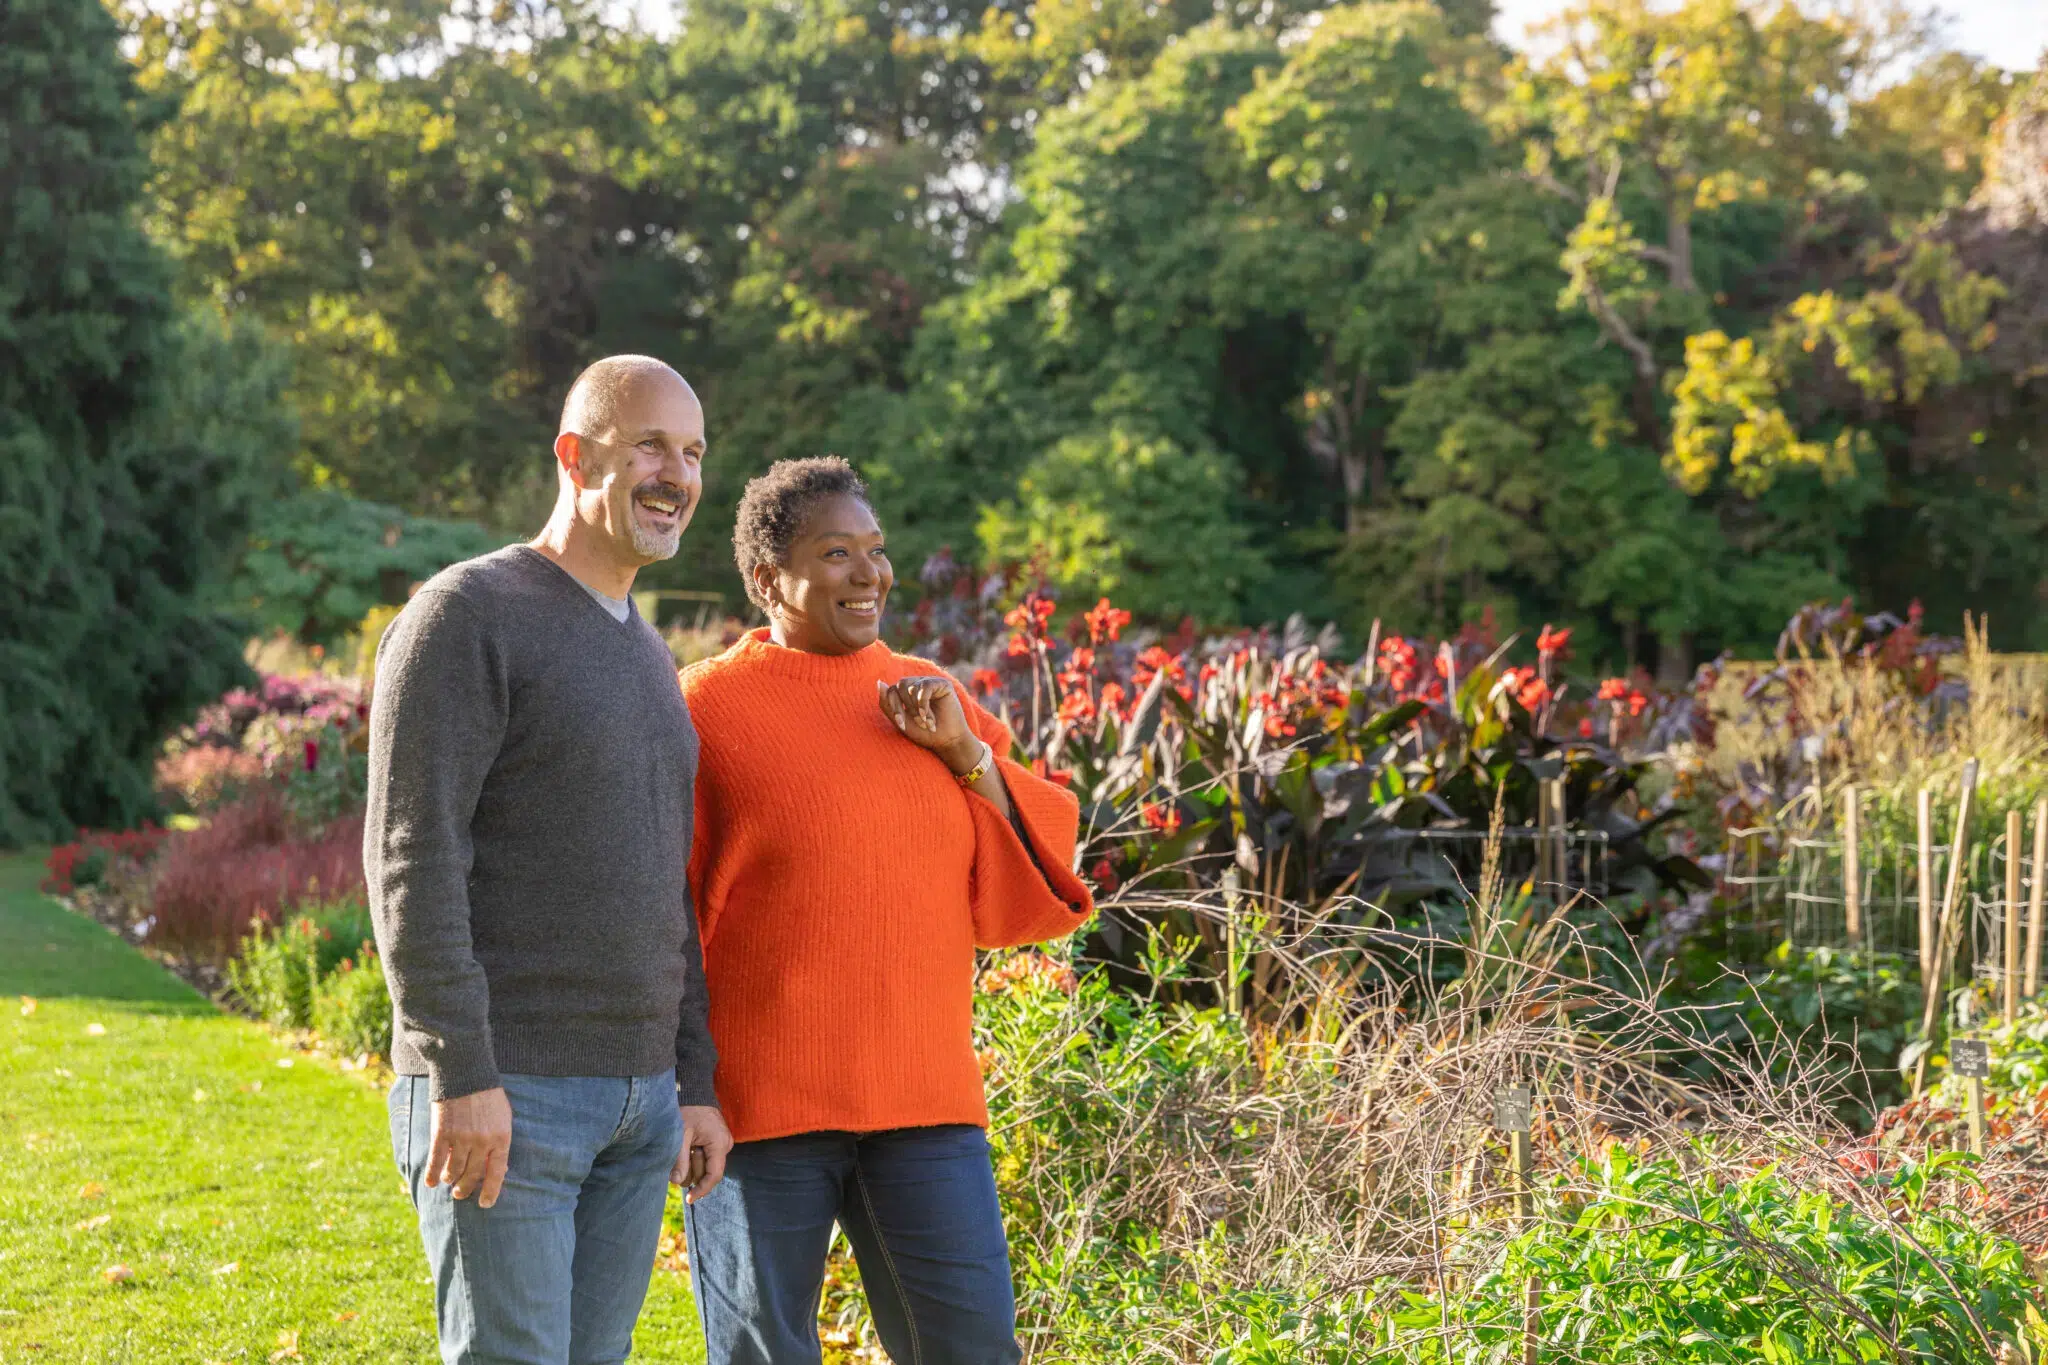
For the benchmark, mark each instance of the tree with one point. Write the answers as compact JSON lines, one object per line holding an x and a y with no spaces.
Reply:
{"x":130,"y":442}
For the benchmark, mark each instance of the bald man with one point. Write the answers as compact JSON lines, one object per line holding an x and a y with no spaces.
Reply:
{"x":531,"y":772}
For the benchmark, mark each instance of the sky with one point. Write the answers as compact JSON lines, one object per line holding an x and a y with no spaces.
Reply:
{"x":2010,"y":33}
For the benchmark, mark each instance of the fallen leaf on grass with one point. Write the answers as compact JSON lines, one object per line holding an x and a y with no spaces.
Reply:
{"x":345,"y":1315}
{"x":28,"y":1005}
{"x":91,"y":1189}
{"x":287,"y":1348}
{"x":99,"y":1220}
{"x":117,"y":1274}
{"x":230,"y":1268}
{"x":62,"y":1072}
{"x":285,"y":1062}
{"x":96,"y":1030}
{"x":199,"y":1097}
{"x":316,"y":1163}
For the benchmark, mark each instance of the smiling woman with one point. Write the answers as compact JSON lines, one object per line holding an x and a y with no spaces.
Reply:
{"x":860,"y":831}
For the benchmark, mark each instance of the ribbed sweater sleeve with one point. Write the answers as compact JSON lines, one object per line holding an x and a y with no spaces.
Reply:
{"x":696,"y":1054}
{"x":1022,"y":895}
{"x":436,"y":723}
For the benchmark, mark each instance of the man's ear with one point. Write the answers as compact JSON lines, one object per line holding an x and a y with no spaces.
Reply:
{"x":569,"y":455}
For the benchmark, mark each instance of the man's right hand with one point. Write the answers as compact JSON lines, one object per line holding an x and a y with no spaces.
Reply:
{"x":472,"y":1141}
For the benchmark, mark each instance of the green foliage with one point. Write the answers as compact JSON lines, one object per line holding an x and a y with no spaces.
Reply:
{"x":352,"y":1006}
{"x":2019,"y":1053}
{"x":1114,"y":513}
{"x":333,"y":780}
{"x":278,"y":971}
{"x":274,"y":971}
{"x":133,"y":444}
{"x":1653,"y":1264}
{"x":317,"y":562}
{"x":1690,"y":1257}
{"x":1391,"y":325}
{"x":1839,"y":1019}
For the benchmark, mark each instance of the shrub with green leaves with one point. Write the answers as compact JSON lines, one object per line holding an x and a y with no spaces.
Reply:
{"x":318,"y":562}
{"x":352,"y":1006}
{"x":277,"y":971}
{"x":1835,"y":1016}
{"x":274,"y":970}
{"x":1655,"y":1264}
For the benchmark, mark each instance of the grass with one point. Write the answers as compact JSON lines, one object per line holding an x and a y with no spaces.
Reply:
{"x":248,"y":1188}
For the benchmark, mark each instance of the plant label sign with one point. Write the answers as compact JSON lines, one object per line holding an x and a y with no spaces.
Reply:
{"x":1511,"y":1105}
{"x":1971,"y":1058}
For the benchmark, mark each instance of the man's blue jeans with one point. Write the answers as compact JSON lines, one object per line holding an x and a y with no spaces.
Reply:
{"x":553,"y":1273}
{"x":919,"y":1207}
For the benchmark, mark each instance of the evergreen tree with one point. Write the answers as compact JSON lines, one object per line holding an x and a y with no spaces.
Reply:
{"x":129,"y":440}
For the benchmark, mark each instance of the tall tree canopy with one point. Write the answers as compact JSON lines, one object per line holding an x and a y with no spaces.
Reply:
{"x":1231,"y":310}
{"x":132,"y":443}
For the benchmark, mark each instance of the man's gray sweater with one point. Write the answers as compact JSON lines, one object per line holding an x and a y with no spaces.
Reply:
{"x":531,"y":765}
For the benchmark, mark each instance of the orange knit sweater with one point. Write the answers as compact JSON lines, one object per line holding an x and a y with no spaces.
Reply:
{"x":842,"y":880}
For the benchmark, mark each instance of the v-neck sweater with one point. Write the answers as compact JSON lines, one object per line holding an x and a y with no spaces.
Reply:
{"x":843,"y":879}
{"x":531,"y":770}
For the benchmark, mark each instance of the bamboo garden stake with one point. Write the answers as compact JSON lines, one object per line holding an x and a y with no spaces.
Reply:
{"x":1852,"y":868}
{"x":1559,"y":861}
{"x":1935,"y":975}
{"x":2011,"y":965}
{"x":1926,"y":813}
{"x":2034,"y":884}
{"x":1513,"y":1107}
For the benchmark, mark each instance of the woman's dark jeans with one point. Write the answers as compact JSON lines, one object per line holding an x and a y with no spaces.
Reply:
{"x":919,"y":1207}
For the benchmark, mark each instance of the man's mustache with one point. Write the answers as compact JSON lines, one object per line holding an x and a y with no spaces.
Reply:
{"x":667,"y":492}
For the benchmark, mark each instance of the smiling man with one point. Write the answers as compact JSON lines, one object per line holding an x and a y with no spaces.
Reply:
{"x":531,"y":772}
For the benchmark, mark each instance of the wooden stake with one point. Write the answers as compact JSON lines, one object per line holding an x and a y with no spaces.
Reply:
{"x":2034,"y":884}
{"x":1935,"y":974}
{"x":1559,"y":862}
{"x":1525,"y":1213}
{"x":1976,"y":1090}
{"x":1543,"y":878}
{"x":1926,"y":813}
{"x":1852,"y":867}
{"x":2011,"y":974}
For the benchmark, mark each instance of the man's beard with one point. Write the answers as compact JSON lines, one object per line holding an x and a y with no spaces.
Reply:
{"x":651,"y":545}
{"x":655,"y":545}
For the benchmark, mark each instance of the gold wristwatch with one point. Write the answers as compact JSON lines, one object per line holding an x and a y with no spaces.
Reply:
{"x":979,"y":770}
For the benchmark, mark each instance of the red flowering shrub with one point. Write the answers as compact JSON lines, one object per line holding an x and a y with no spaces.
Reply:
{"x":243,"y":866}
{"x":96,"y":852}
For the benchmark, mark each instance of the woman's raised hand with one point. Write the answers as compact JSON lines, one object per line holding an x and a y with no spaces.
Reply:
{"x":926,"y":710}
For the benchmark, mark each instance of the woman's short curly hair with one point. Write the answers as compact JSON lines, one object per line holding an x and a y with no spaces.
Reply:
{"x":776,"y":505}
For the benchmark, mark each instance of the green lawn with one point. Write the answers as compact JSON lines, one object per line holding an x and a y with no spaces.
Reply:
{"x":247,"y":1189}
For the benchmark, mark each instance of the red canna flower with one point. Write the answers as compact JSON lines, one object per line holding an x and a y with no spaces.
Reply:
{"x":1155,"y":661}
{"x":1552,"y":643}
{"x":1397,"y":662}
{"x":1614,"y":689}
{"x":1165,"y":819}
{"x":1526,"y":687}
{"x":312,"y":754}
{"x":1105,"y":622}
{"x":1104,"y":876}
{"x":987,"y":681}
{"x":1077,"y":707}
